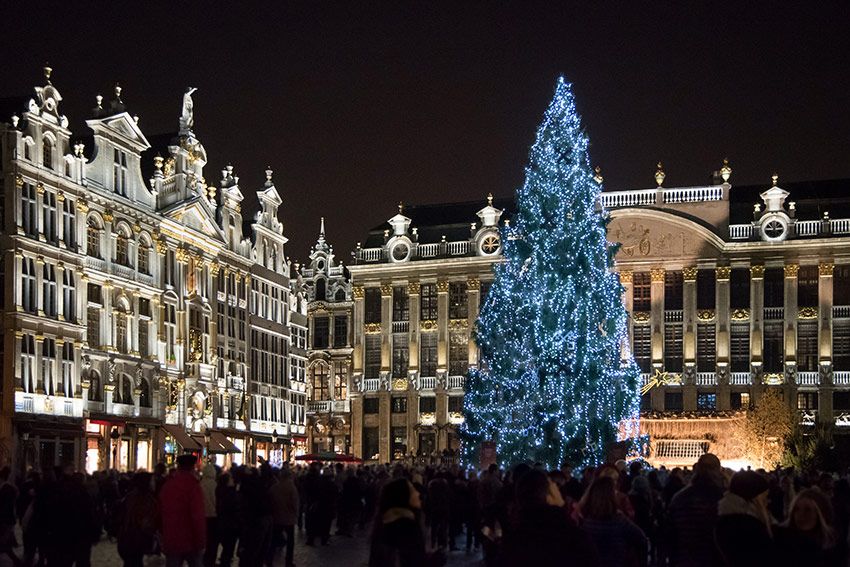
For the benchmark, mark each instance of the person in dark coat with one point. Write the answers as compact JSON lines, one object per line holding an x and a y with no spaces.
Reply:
{"x":283,"y":497}
{"x":138,"y":521}
{"x":397,"y":538}
{"x":619,"y":542}
{"x":8,"y":518}
{"x":184,"y":522}
{"x":692,"y":515}
{"x":806,"y":538}
{"x":540,"y":531}
{"x":228,"y":513}
{"x":743,"y":532}
{"x":439,"y":509}
{"x":69,"y":535}
{"x":255,"y":540}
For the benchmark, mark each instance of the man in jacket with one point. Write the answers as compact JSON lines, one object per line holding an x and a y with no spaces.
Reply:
{"x":284,"y":501}
{"x":184,"y":529}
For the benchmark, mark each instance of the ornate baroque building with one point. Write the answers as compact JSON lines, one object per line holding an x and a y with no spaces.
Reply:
{"x":731,"y":291}
{"x":129,"y":290}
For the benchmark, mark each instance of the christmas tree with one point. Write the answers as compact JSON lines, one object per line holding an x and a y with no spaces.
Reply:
{"x":551,"y":385}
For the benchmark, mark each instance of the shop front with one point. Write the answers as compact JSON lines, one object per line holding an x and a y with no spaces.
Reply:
{"x":43,"y":443}
{"x":122,"y":444}
{"x":272,"y":449}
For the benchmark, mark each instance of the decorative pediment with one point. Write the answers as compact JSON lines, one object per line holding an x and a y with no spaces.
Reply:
{"x":124,"y":125}
{"x":196,"y":216}
{"x":654,"y":234}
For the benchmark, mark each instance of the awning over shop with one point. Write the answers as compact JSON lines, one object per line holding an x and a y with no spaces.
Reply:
{"x":183,"y":439}
{"x":221,"y":444}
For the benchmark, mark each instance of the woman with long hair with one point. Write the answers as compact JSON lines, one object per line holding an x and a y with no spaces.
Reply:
{"x":806,"y":536}
{"x":618,"y":540}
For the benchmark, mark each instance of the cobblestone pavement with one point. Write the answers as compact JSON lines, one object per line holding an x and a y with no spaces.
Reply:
{"x":340,"y":552}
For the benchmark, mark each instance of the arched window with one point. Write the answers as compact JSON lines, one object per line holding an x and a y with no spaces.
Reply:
{"x":321,"y":289}
{"x":340,"y":380}
{"x":340,"y":295}
{"x":93,"y":238}
{"x":94,"y":387}
{"x":47,"y":153}
{"x":122,"y":248}
{"x":124,"y":391}
{"x":320,"y":382}
{"x":273,"y":262}
{"x":144,"y":257}
{"x":145,"y":394}
{"x":121,"y":330}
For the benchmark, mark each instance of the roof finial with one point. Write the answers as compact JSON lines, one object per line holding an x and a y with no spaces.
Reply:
{"x":400,"y":207}
{"x":598,"y":175}
{"x":322,"y":227}
{"x":775,"y":179}
{"x":117,"y":92}
{"x":489,"y":199}
{"x":269,"y":172}
{"x":48,"y":70}
{"x":659,"y":174}
{"x":99,"y":99}
{"x":725,"y":171}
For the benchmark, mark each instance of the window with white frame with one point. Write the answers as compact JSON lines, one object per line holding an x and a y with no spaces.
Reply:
{"x":48,"y":363}
{"x":68,"y":369}
{"x":48,"y":295}
{"x":69,"y":224}
{"x":144,"y":255}
{"x":170,"y":324}
{"x":121,"y":330}
{"x":428,"y":354}
{"x":29,"y":212}
{"x":119,"y":172}
{"x":47,"y":152}
{"x":48,"y":218}
{"x":29,"y":295}
{"x":93,"y":239}
{"x":28,"y":363}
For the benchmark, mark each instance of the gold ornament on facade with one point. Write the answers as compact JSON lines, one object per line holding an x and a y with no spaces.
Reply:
{"x":19,"y":181}
{"x":443,"y":286}
{"x":168,"y":168}
{"x":825,"y":269}
{"x":659,"y":174}
{"x":773,"y":379}
{"x":722,"y":273}
{"x":427,"y":418}
{"x":182,"y":255}
{"x":428,"y":325}
{"x":705,"y":315}
{"x":107,"y":216}
{"x":413,"y":288}
{"x":386,"y":290}
{"x":626,"y":276}
{"x":473,"y":283}
{"x":791,"y":270}
{"x":807,"y":313}
{"x":137,"y":228}
{"x":656,"y":274}
{"x":740,"y":314}
{"x":372,"y":328}
{"x":689,"y":274}
{"x":215,"y":267}
{"x":39,"y":188}
{"x":757,"y":272}
{"x":458,"y":324}
{"x":640,"y":316}
{"x":82,"y":206}
{"x":60,"y":197}
{"x":725,"y":171}
{"x":358,"y":292}
{"x":598,"y":175}
{"x":399,"y":385}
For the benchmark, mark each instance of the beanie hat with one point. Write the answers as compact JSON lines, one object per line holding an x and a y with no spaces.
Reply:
{"x":747,"y":484}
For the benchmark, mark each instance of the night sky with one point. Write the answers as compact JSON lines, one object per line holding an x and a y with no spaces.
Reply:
{"x":357,"y":106}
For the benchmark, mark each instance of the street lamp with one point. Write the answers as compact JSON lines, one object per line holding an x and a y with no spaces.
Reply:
{"x":115,"y":435}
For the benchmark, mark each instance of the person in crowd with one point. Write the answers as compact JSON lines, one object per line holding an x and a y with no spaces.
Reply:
{"x":208,"y":487}
{"x":397,"y":538}
{"x":138,"y":521}
{"x":255,"y":539}
{"x":743,"y":530}
{"x":350,"y":503}
{"x":283,"y":496}
{"x":619,"y":542}
{"x":539,"y":531}
{"x":184,"y":524}
{"x":806,"y":538}
{"x":227,"y":507}
{"x":8,"y":517}
{"x":692,"y":516}
{"x":68,"y":536}
{"x":438,"y":509}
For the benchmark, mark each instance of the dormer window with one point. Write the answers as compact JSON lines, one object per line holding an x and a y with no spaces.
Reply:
{"x":47,"y":153}
{"x":119,"y":172}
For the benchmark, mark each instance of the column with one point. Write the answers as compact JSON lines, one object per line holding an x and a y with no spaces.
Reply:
{"x":790,"y":323}
{"x":18,"y":337}
{"x":656,"y":322}
{"x":58,"y":378}
{"x":627,"y":281}
{"x":133,"y":323}
{"x":473,"y":299}
{"x":359,"y":294}
{"x":384,"y":441}
{"x":756,"y":323}
{"x":723,"y":344}
{"x":357,"y":426}
{"x":689,"y":338}
{"x":107,"y":319}
{"x":825,"y":302}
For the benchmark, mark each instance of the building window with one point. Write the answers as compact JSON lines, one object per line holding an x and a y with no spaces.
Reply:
{"x":673,"y":347}
{"x":399,"y":442}
{"x":119,"y":172}
{"x":144,"y":255}
{"x":807,"y":400}
{"x":48,"y":280}
{"x":48,"y":363}
{"x":48,"y":220}
{"x":673,"y":401}
{"x":739,"y":288}
{"x":93,"y":239}
{"x":340,"y":331}
{"x":400,"y":355}
{"x":428,"y":354}
{"x":47,"y":153}
{"x":170,"y":324}
{"x":370,"y":443}
{"x":398,"y":404}
{"x":144,"y":394}
{"x":93,"y":326}
{"x":121,"y":331}
{"x":706,"y":401}
{"x":321,"y":330}
{"x":372,"y":367}
{"x":428,"y":302}
{"x":373,"y":305}
{"x":401,"y":304}
{"x":455,"y":404}
{"x":458,"y":353}
{"x":774,"y":343}
{"x":740,"y":347}
{"x":69,"y":224}
{"x":321,"y":390}
{"x":340,"y":380}
{"x":739,"y":400}
{"x":642,"y":347}
{"x":321,"y":289}
{"x":641,"y":288}
{"x":774,"y":287}
{"x":29,"y":213}
{"x":29,"y":296}
{"x":841,"y":285}
{"x":69,"y":295}
{"x":427,"y":404}
{"x":807,"y":286}
{"x":122,"y":249}
{"x":841,"y":344}
{"x":370,"y":406}
{"x":841,"y":401}
{"x":807,"y":346}
{"x":706,"y":347}
{"x":28,"y":363}
{"x":673,"y":283}
{"x":706,"y":284}
{"x":458,"y":300}
{"x":144,"y":337}
{"x":646,"y":402}
{"x":68,"y":369}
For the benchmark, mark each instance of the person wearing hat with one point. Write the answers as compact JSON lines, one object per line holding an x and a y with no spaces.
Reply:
{"x":743,"y":533}
{"x":184,"y":523}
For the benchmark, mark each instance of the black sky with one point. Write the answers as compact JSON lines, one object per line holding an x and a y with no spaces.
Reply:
{"x":359,"y":105}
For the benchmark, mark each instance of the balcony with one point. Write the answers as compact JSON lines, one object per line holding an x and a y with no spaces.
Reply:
{"x":456,"y":382}
{"x":401,"y":326}
{"x":840,"y":226}
{"x":740,"y":231}
{"x":458,"y":248}
{"x":808,"y":378}
{"x":371,"y":385}
{"x":427,"y":383}
{"x":125,"y":272}
{"x":614,"y":199}
{"x":841,"y":378}
{"x":706,"y":379}
{"x":92,"y":263}
{"x":371,"y":254}
{"x":774,"y":313}
{"x":807,"y":228}
{"x":319,"y":406}
{"x":740,"y":379}
{"x":841,"y":311}
{"x":429,"y":250}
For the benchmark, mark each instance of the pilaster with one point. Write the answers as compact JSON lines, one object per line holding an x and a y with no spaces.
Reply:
{"x":656,"y":322}
{"x":413,"y":289}
{"x":627,"y":280}
{"x":473,"y":297}
{"x":825,"y":303}
{"x":442,"y":326}
{"x":386,"y":327}
{"x":757,"y":321}
{"x":723,"y":339}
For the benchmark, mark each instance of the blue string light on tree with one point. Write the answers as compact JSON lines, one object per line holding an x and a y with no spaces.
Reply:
{"x":551,"y":385}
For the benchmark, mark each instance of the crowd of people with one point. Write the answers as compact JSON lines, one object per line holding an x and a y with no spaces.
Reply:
{"x":616,"y":515}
